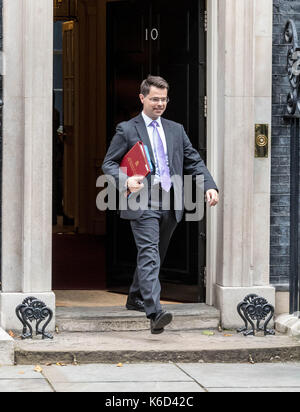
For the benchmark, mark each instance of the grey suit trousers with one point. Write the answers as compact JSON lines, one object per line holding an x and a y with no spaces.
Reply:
{"x":152,"y":233}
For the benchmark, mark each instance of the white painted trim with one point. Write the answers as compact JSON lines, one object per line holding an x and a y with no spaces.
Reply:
{"x":212,"y":139}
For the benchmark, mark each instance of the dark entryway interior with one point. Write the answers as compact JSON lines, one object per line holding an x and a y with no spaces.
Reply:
{"x":97,"y":73}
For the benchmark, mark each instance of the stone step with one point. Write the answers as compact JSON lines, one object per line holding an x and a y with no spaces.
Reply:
{"x":7,"y":347}
{"x":170,"y":346}
{"x":194,"y":316}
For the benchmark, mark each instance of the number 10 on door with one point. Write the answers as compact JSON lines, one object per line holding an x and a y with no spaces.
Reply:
{"x":152,"y":34}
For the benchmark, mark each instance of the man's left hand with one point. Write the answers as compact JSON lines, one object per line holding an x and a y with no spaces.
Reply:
{"x":212,"y":197}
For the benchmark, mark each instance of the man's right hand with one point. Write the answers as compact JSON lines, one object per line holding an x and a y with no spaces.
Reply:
{"x":135,"y":184}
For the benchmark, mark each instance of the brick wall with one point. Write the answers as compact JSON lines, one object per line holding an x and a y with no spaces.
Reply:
{"x":280,"y":189}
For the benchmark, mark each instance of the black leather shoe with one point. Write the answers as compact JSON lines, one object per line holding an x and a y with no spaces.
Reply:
{"x":135,"y":303}
{"x":161,"y":320}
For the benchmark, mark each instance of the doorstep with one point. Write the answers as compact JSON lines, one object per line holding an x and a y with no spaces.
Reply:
{"x":116,"y":335}
{"x":194,"y":316}
{"x":171,"y":346}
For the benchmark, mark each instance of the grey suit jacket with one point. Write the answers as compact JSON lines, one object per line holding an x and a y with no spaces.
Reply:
{"x":183,"y":158}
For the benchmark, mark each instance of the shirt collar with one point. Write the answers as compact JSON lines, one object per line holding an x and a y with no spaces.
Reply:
{"x":148,"y":120}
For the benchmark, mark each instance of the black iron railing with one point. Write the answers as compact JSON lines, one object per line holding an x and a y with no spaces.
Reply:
{"x":293,"y":118}
{"x":1,"y":106}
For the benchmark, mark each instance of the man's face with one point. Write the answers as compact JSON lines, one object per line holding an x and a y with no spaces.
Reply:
{"x":155,"y":103}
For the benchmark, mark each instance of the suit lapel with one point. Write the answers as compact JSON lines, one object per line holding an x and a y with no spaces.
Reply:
{"x":143,"y":135}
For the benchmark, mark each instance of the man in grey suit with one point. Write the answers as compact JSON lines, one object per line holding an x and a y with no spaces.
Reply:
{"x":171,"y":154}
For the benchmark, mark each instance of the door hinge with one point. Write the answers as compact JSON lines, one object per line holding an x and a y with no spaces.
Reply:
{"x":205,"y":21}
{"x":205,"y":106}
{"x":204,"y":276}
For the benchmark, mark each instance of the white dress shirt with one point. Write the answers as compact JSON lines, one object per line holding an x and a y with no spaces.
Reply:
{"x":150,"y":130}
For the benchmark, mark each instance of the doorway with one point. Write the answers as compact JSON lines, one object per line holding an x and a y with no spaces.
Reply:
{"x":79,"y":243}
{"x":107,"y":49}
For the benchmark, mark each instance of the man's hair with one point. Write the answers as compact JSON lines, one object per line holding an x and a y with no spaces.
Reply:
{"x":155,"y":81}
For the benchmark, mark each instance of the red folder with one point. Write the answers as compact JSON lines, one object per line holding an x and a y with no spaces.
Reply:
{"x":135,"y":162}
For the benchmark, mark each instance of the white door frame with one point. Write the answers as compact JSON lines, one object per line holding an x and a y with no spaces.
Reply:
{"x":27,"y":153}
{"x":212,"y":139}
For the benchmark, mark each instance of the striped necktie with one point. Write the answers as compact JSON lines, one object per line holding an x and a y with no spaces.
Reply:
{"x":163,"y":167}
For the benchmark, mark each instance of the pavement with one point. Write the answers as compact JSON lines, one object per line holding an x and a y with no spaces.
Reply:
{"x":112,"y":350}
{"x":189,"y":378}
{"x":188,"y":361}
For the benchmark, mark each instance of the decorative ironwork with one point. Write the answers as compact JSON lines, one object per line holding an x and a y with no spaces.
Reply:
{"x":293,"y":66}
{"x":1,"y":128}
{"x":254,"y":308}
{"x":31,"y":310}
{"x":293,"y":118}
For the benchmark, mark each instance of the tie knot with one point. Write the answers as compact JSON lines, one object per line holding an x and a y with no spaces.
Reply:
{"x":154,"y":123}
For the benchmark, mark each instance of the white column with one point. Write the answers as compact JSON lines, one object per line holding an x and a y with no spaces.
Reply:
{"x":27,"y":155}
{"x":244,"y":71}
{"x":263,"y":114}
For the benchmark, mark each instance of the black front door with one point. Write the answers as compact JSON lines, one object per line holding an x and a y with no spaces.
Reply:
{"x":166,"y":38}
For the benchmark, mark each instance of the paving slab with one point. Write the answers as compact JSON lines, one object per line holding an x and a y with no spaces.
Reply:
{"x":130,"y":387}
{"x":178,"y":377}
{"x":113,"y":373}
{"x":22,"y":379}
{"x":24,"y":385}
{"x":18,"y":372}
{"x":171,"y":346}
{"x":159,"y":377}
{"x":126,"y":378}
{"x":245,"y":376}
{"x":254,"y":390}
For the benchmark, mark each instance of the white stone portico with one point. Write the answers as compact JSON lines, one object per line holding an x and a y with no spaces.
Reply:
{"x":27,"y":156}
{"x":239,"y":95}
